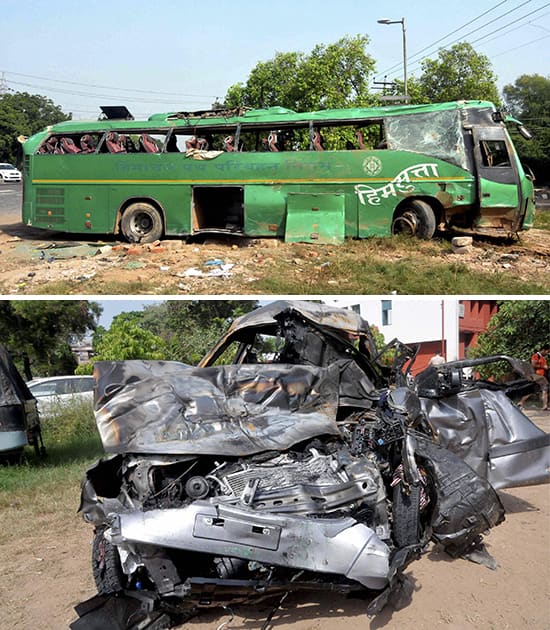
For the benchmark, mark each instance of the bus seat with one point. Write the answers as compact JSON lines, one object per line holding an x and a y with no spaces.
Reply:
{"x":147,"y":144}
{"x":272,"y":142}
{"x":69,"y":146}
{"x":113,"y":143}
{"x":317,"y":141}
{"x":191,"y":143}
{"x":87,"y":144}
{"x":51,"y":145}
{"x":229,"y":143}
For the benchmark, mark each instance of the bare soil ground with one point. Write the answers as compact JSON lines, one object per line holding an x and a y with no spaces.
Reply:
{"x":37,"y":261}
{"x":46,"y":572}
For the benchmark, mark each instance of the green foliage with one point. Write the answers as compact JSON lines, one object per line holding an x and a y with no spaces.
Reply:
{"x":331,"y":76}
{"x":528,"y":99}
{"x":126,"y":339}
{"x":191,"y":328}
{"x":69,"y":423}
{"x":24,"y":114}
{"x":38,"y":333}
{"x":519,"y":328}
{"x":459,"y":73}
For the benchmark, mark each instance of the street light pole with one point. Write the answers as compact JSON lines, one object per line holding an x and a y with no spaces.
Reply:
{"x":404,"y":30}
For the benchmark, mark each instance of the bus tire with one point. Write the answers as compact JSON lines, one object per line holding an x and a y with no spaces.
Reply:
{"x":141,"y":223}
{"x":415,"y":218}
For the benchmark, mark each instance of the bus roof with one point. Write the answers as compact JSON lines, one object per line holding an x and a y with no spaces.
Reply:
{"x":271,"y":115}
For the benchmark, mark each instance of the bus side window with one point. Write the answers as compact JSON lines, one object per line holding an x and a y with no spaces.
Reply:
{"x":494,"y":153}
{"x":172,"y":144}
{"x":127,"y":143}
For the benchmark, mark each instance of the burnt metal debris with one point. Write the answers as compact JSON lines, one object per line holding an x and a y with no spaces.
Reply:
{"x":304,"y":463}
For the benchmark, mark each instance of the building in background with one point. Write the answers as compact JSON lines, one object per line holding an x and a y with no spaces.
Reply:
{"x":443,"y":325}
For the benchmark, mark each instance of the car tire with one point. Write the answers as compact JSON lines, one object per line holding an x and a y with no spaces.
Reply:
{"x":407,"y":528}
{"x":106,"y":569}
{"x":141,"y":223}
{"x":415,"y":218}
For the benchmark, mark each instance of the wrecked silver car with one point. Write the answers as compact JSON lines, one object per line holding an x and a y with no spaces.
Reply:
{"x":302,"y":462}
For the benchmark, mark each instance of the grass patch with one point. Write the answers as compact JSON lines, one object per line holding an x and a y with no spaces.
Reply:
{"x":382,"y":266}
{"x":44,"y":487}
{"x":101,"y":287}
{"x":542,"y":220}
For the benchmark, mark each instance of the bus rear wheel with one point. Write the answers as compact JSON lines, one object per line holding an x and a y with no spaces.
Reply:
{"x":141,"y":223}
{"x":416,"y":218}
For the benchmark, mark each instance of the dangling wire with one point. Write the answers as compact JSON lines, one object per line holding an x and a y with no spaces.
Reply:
{"x":228,"y":621}
{"x":280,"y":602}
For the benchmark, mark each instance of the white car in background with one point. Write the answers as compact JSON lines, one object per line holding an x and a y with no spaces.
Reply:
{"x":55,"y":392}
{"x":8,"y":173}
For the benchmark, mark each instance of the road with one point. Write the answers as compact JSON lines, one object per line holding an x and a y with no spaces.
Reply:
{"x":10,"y":203}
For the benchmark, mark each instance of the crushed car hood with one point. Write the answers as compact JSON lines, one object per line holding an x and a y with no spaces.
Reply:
{"x":236,"y":410}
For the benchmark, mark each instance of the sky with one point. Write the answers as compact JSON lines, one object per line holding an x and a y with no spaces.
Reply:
{"x":172,"y":55}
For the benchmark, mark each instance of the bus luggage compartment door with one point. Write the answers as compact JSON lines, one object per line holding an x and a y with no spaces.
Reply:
{"x":315,"y":218}
{"x":218,"y":209}
{"x":497,"y":180}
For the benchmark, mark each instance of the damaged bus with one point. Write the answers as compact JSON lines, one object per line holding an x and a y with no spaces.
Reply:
{"x":314,"y":177}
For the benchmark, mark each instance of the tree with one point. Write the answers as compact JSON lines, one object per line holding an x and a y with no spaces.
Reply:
{"x":24,"y":114}
{"x":528,"y":99}
{"x":331,"y":76}
{"x":518,"y":329}
{"x":38,"y":333}
{"x":126,"y":339}
{"x":191,"y":328}
{"x":459,"y":73}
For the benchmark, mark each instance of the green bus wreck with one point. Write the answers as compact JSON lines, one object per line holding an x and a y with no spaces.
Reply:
{"x":319,"y":176}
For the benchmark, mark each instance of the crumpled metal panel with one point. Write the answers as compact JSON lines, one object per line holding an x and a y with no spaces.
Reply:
{"x":236,"y":410}
{"x":340,"y":545}
{"x":492,"y":436}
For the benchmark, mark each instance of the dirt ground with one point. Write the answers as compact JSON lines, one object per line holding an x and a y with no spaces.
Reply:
{"x":46,"y":572}
{"x":31,"y":260}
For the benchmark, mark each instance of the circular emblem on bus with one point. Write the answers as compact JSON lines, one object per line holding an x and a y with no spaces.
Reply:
{"x":372,"y":165}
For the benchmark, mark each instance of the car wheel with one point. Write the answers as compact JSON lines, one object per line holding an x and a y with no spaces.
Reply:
{"x":141,"y":223}
{"x":108,"y":574}
{"x":415,"y":218}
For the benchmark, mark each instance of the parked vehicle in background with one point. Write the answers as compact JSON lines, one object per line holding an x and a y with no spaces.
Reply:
{"x":309,"y":176}
{"x":56,"y":392}
{"x":8,"y":173}
{"x":19,"y":420}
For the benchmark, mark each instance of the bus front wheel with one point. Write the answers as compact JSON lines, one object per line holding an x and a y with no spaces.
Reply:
{"x":141,"y":223}
{"x":416,"y":218}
